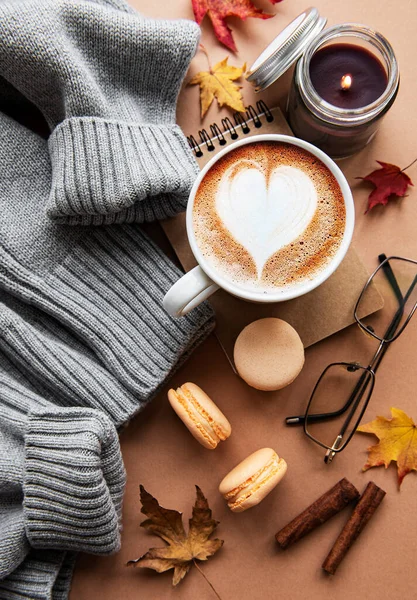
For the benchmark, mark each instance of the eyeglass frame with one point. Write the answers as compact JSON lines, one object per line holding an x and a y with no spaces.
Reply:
{"x":369,"y":371}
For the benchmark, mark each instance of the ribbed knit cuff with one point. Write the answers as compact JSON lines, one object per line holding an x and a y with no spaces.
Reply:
{"x":74,"y":481}
{"x":106,"y":172}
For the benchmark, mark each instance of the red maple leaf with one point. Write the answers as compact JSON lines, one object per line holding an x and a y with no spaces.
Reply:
{"x":219,"y":10}
{"x":390,"y":180}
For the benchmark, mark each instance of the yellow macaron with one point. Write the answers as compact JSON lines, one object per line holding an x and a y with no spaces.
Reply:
{"x":252,"y":479}
{"x":200,"y":415}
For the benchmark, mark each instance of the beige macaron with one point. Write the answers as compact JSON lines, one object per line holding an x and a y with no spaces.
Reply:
{"x":269,"y":354}
{"x":200,"y":415}
{"x":248,"y":483}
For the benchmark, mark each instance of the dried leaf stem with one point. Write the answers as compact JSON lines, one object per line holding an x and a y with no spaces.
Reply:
{"x":408,"y":166}
{"x":203,"y":49}
{"x":208,"y":581}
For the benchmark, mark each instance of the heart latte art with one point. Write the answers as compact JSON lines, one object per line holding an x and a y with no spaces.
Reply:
{"x":265,"y":215}
{"x":268,"y":215}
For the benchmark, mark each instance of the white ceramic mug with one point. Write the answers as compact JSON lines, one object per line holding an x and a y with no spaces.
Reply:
{"x":202,"y":281}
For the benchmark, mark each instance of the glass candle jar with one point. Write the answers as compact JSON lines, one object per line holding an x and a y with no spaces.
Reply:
{"x":342,"y":126}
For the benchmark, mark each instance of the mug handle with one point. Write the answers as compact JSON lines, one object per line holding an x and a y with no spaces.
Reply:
{"x":188,"y":292}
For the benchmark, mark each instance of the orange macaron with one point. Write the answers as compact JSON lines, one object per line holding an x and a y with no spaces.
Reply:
{"x":200,"y":415}
{"x":251,"y":480}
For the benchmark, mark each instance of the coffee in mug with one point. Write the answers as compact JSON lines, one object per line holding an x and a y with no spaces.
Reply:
{"x":269,"y":219}
{"x":268,"y":216}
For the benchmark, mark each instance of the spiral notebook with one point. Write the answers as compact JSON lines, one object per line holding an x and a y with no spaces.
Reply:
{"x":256,"y":120}
{"x":317,"y":315}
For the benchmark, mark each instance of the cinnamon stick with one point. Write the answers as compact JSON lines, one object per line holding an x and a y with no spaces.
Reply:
{"x":365,"y":508}
{"x":325,"y":507}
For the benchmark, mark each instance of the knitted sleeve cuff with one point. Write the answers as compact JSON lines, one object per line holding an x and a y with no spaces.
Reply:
{"x":107,"y":171}
{"x":74,"y":481}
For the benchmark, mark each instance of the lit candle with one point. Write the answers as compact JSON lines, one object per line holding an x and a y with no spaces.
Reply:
{"x":334,"y":68}
{"x":346,"y":82}
{"x":343,"y":85}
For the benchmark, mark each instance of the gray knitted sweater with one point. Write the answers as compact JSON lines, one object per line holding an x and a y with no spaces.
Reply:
{"x":84,"y":342}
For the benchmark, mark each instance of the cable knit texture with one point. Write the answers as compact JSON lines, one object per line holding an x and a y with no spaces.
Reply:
{"x":84,"y":340}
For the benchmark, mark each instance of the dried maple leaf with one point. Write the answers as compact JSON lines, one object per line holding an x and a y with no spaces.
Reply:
{"x":397,"y":441}
{"x":218,"y":82}
{"x":219,"y":10}
{"x":389,"y":180}
{"x":183,"y":549}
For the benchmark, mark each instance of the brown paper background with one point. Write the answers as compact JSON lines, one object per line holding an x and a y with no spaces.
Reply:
{"x":159,"y":452}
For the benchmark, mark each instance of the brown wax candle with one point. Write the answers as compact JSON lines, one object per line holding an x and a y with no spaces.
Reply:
{"x":347,"y":75}
{"x":344,"y":83}
{"x":325,"y":507}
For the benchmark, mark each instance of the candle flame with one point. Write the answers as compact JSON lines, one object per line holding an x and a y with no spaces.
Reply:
{"x":346,"y":82}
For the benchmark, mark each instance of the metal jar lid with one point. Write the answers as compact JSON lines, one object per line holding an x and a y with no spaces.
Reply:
{"x":285,"y":49}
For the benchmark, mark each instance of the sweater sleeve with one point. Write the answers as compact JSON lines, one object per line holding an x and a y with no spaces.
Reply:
{"x":58,"y":365}
{"x":106,"y":80}
{"x":69,"y":461}
{"x":61,"y":481}
{"x":103,"y":285}
{"x":73,"y":481}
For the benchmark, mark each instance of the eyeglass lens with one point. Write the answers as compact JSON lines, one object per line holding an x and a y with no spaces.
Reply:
{"x":336,"y":403}
{"x":396,"y":281}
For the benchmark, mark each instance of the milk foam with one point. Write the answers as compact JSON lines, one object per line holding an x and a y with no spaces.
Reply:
{"x":265,"y":214}
{"x":268,"y":216}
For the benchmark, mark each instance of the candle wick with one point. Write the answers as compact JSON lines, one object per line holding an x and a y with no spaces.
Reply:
{"x":346,"y":82}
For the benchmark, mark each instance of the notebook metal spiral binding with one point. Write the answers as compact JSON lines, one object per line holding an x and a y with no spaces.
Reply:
{"x":242,"y":121}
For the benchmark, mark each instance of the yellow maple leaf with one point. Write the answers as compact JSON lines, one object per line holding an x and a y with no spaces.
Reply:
{"x":218,"y":82}
{"x":397,"y":441}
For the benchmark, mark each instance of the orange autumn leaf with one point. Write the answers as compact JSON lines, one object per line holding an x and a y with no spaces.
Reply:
{"x":219,"y":82}
{"x":219,"y":10}
{"x":397,"y":442}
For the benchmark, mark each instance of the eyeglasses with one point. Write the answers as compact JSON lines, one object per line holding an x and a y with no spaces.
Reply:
{"x":342,"y":392}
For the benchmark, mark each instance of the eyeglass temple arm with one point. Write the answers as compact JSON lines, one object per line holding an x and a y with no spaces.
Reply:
{"x":376,"y":361}
{"x":402,"y":300}
{"x":366,"y":378}
{"x":389,"y":273}
{"x":300,"y":419}
{"x":383,"y":347}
